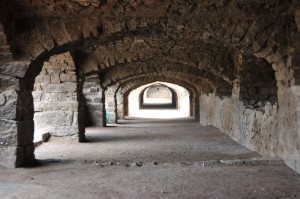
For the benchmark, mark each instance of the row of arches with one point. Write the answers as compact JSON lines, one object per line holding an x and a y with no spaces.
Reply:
{"x":92,"y":67}
{"x":183,"y":79}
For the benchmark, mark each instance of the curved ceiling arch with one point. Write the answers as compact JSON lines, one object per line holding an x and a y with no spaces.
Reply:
{"x":198,"y":54}
{"x":129,"y":85}
{"x":132,"y":70}
{"x":64,"y":26}
{"x":245,"y":26}
{"x":199,"y":82}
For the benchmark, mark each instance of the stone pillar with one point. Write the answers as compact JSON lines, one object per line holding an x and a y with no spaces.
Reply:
{"x":125,"y":103}
{"x":25,"y":113}
{"x":110,"y":105}
{"x":16,"y":116}
{"x":81,"y":112}
{"x":289,"y":126}
{"x":295,"y":60}
{"x":289,"y":109}
{"x":119,"y":104}
{"x":92,"y":92}
{"x":8,"y":120}
{"x":16,"y":109}
{"x":192,"y":105}
{"x":56,"y":97}
{"x":196,"y":107}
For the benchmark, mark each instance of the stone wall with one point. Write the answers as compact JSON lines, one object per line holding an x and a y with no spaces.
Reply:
{"x":55,"y":97}
{"x":158,"y":91}
{"x":92,"y":92}
{"x":289,"y":126}
{"x":8,"y":103}
{"x":269,"y":130}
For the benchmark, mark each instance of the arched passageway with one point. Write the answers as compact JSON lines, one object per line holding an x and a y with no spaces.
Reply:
{"x":159,"y":100}
{"x":158,"y":94}
{"x":68,"y":65}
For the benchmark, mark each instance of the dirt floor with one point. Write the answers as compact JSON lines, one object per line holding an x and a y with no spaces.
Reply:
{"x":150,"y":159}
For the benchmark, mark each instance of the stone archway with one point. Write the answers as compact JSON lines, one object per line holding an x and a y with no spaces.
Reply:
{"x":57,"y":98}
{"x":158,"y":95}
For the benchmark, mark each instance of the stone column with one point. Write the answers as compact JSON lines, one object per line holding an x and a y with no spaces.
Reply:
{"x":25,"y":113}
{"x":8,"y":120}
{"x":196,"y":106}
{"x":192,"y":105}
{"x":92,"y":92}
{"x":289,"y":109}
{"x":110,"y":105}
{"x":16,"y":109}
{"x":119,"y":104}
{"x":16,"y":115}
{"x":125,"y":103}
{"x":81,"y":112}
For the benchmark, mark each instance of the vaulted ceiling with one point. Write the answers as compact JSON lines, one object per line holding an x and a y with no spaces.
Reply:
{"x":202,"y":42}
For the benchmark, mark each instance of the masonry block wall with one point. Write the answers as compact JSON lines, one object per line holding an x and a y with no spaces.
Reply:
{"x":225,"y":55}
{"x":8,"y":121}
{"x":93,"y":101}
{"x":55,"y":97}
{"x":8,"y":103}
{"x":16,"y":109}
{"x":266,"y":123}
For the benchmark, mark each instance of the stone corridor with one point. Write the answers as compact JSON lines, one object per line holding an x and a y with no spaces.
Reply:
{"x":150,"y":159}
{"x":70,"y":66}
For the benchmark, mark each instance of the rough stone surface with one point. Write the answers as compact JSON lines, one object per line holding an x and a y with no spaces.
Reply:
{"x":2,"y":100}
{"x":8,"y":133}
{"x":92,"y":92}
{"x":52,"y":118}
{"x":246,"y":53}
{"x":16,"y":68}
{"x":256,"y":128}
{"x":8,"y":156}
{"x":55,"y":100}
